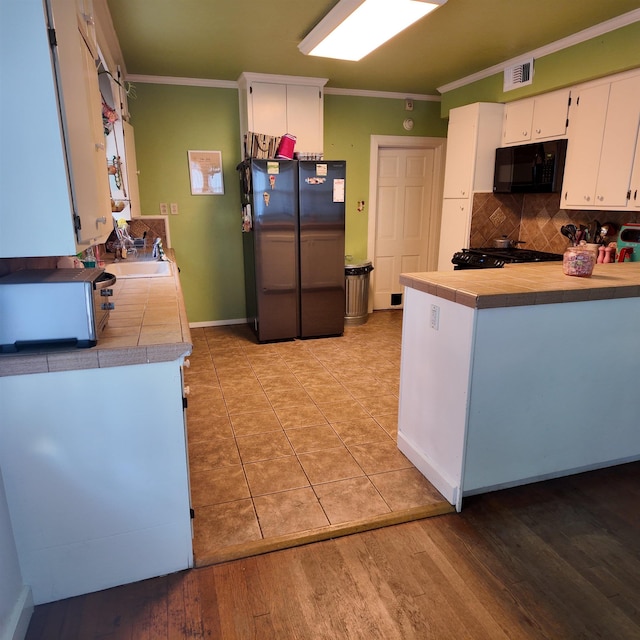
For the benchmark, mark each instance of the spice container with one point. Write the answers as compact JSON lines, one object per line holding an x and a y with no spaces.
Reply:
{"x":578,"y":261}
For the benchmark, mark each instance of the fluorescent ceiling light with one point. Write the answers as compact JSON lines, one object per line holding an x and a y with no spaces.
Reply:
{"x":354,"y":28}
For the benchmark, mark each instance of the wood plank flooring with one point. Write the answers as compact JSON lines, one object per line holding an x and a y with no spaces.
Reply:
{"x":558,"y":560}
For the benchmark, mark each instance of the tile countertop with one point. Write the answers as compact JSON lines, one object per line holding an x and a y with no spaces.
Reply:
{"x":527,"y":284}
{"x":149,"y":324}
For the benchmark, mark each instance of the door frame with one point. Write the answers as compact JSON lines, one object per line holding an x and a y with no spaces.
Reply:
{"x":439,"y":145}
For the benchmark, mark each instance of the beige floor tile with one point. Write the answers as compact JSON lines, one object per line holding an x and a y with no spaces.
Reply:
{"x":307,"y":439}
{"x":350,"y":500}
{"x":263,"y":446}
{"x":246,"y":403}
{"x":202,"y":409}
{"x":213,"y":454}
{"x":306,"y":415}
{"x":405,"y":489}
{"x":380,"y":405}
{"x":360,"y":431}
{"x":329,"y":465}
{"x":389,"y":423}
{"x":273,"y":382}
{"x":271,"y":476}
{"x":287,"y":397}
{"x":343,"y":411}
{"x":378,"y":457}
{"x":215,"y":486}
{"x":207,"y":427}
{"x":330,"y":393}
{"x":223,"y":525}
{"x":289,"y":512}
{"x":245,"y":424}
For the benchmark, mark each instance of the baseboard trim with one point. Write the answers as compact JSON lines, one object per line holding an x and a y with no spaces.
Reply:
{"x":20,"y":616}
{"x":216,"y":323}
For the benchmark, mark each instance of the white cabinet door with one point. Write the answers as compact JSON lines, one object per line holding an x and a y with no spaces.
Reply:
{"x":518,"y":118}
{"x":541,"y":118}
{"x":305,"y":117}
{"x":81,"y":107}
{"x":586,"y":129}
{"x":454,"y":230}
{"x":602,"y":143}
{"x":634,"y":191}
{"x":619,"y":143}
{"x":268,"y":108}
{"x":461,"y":138}
{"x":131,"y":170}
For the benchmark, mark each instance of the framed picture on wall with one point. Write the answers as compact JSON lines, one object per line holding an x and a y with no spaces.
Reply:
{"x":205,"y":173}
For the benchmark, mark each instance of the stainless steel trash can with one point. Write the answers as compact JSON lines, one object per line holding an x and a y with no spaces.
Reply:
{"x":356,"y":293}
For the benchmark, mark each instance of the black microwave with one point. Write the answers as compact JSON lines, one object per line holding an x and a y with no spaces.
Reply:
{"x":530,"y":168}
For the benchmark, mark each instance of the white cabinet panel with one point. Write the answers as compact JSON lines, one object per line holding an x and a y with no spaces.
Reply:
{"x":541,"y":118}
{"x":275,"y":105}
{"x":603,"y":131}
{"x":460,"y":156}
{"x":454,"y":230}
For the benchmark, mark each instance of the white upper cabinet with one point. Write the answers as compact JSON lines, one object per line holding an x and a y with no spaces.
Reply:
{"x":275,"y":105}
{"x":603,"y":131}
{"x":50,"y":172}
{"x":472,"y":138}
{"x":81,"y":106}
{"x":541,"y":118}
{"x":634,"y":191}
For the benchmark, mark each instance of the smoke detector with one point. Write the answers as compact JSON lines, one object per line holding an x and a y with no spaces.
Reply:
{"x":518,"y":75}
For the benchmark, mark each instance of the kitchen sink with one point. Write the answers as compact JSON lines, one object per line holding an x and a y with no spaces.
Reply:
{"x":141,"y":269}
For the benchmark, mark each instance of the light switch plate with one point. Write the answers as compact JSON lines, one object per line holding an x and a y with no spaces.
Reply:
{"x":174,"y":208}
{"x":164,"y":210}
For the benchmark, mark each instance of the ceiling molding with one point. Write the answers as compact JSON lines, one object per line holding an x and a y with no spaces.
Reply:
{"x":364,"y":93}
{"x":564,"y":43}
{"x":187,"y":82}
{"x":232,"y":84}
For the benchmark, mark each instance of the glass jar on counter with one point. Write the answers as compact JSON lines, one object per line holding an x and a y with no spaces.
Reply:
{"x":578,"y":261}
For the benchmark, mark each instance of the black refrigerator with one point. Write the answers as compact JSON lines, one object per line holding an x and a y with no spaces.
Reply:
{"x":293,"y":244}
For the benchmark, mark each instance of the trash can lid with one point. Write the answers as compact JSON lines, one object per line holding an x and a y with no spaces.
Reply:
{"x":358,"y":268}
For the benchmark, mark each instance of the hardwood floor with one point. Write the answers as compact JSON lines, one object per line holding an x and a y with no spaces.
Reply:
{"x":554,"y":560}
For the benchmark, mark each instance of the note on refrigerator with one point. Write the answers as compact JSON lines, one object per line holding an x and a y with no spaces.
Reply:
{"x":338,"y":190}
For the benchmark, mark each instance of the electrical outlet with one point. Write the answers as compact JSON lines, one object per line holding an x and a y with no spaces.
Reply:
{"x":164,"y":210}
{"x":408,"y":104}
{"x":435,"y":316}
{"x":174,"y":208}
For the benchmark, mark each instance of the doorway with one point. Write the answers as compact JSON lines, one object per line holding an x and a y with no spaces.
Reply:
{"x":405,"y":192}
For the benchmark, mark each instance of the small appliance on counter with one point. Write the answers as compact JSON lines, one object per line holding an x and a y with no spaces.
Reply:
{"x":46,"y":309}
{"x":496,"y":258}
{"x":628,"y":243}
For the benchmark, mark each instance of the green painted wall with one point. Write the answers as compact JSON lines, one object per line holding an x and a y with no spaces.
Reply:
{"x":168,"y":121}
{"x":206,"y":235}
{"x":349,"y":122}
{"x":605,"y":55}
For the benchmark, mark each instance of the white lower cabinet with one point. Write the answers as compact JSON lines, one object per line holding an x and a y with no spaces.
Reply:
{"x":95,"y":478}
{"x":454,"y":230}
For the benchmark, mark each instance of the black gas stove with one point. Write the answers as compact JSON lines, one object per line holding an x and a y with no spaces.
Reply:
{"x":492,"y":258}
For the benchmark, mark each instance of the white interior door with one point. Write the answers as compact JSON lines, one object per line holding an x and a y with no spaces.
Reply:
{"x":404,"y":196}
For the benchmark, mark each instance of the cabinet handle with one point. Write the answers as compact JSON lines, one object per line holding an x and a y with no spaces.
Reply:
{"x":525,"y":133}
{"x":102,"y":220}
{"x":100,"y":146}
{"x":635,"y":194}
{"x":587,"y":198}
{"x":538,"y":131}
{"x":601,"y":198}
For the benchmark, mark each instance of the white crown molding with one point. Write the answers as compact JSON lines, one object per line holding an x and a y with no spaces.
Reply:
{"x":187,"y":82}
{"x":231,"y":84}
{"x":365,"y":93}
{"x":581,"y":36}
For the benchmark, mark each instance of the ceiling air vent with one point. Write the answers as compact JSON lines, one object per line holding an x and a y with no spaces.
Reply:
{"x":518,"y":75}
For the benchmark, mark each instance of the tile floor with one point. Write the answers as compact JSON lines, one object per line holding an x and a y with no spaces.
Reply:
{"x":295,"y":441}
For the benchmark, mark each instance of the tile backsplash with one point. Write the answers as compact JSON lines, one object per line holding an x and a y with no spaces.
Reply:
{"x":533,"y":218}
